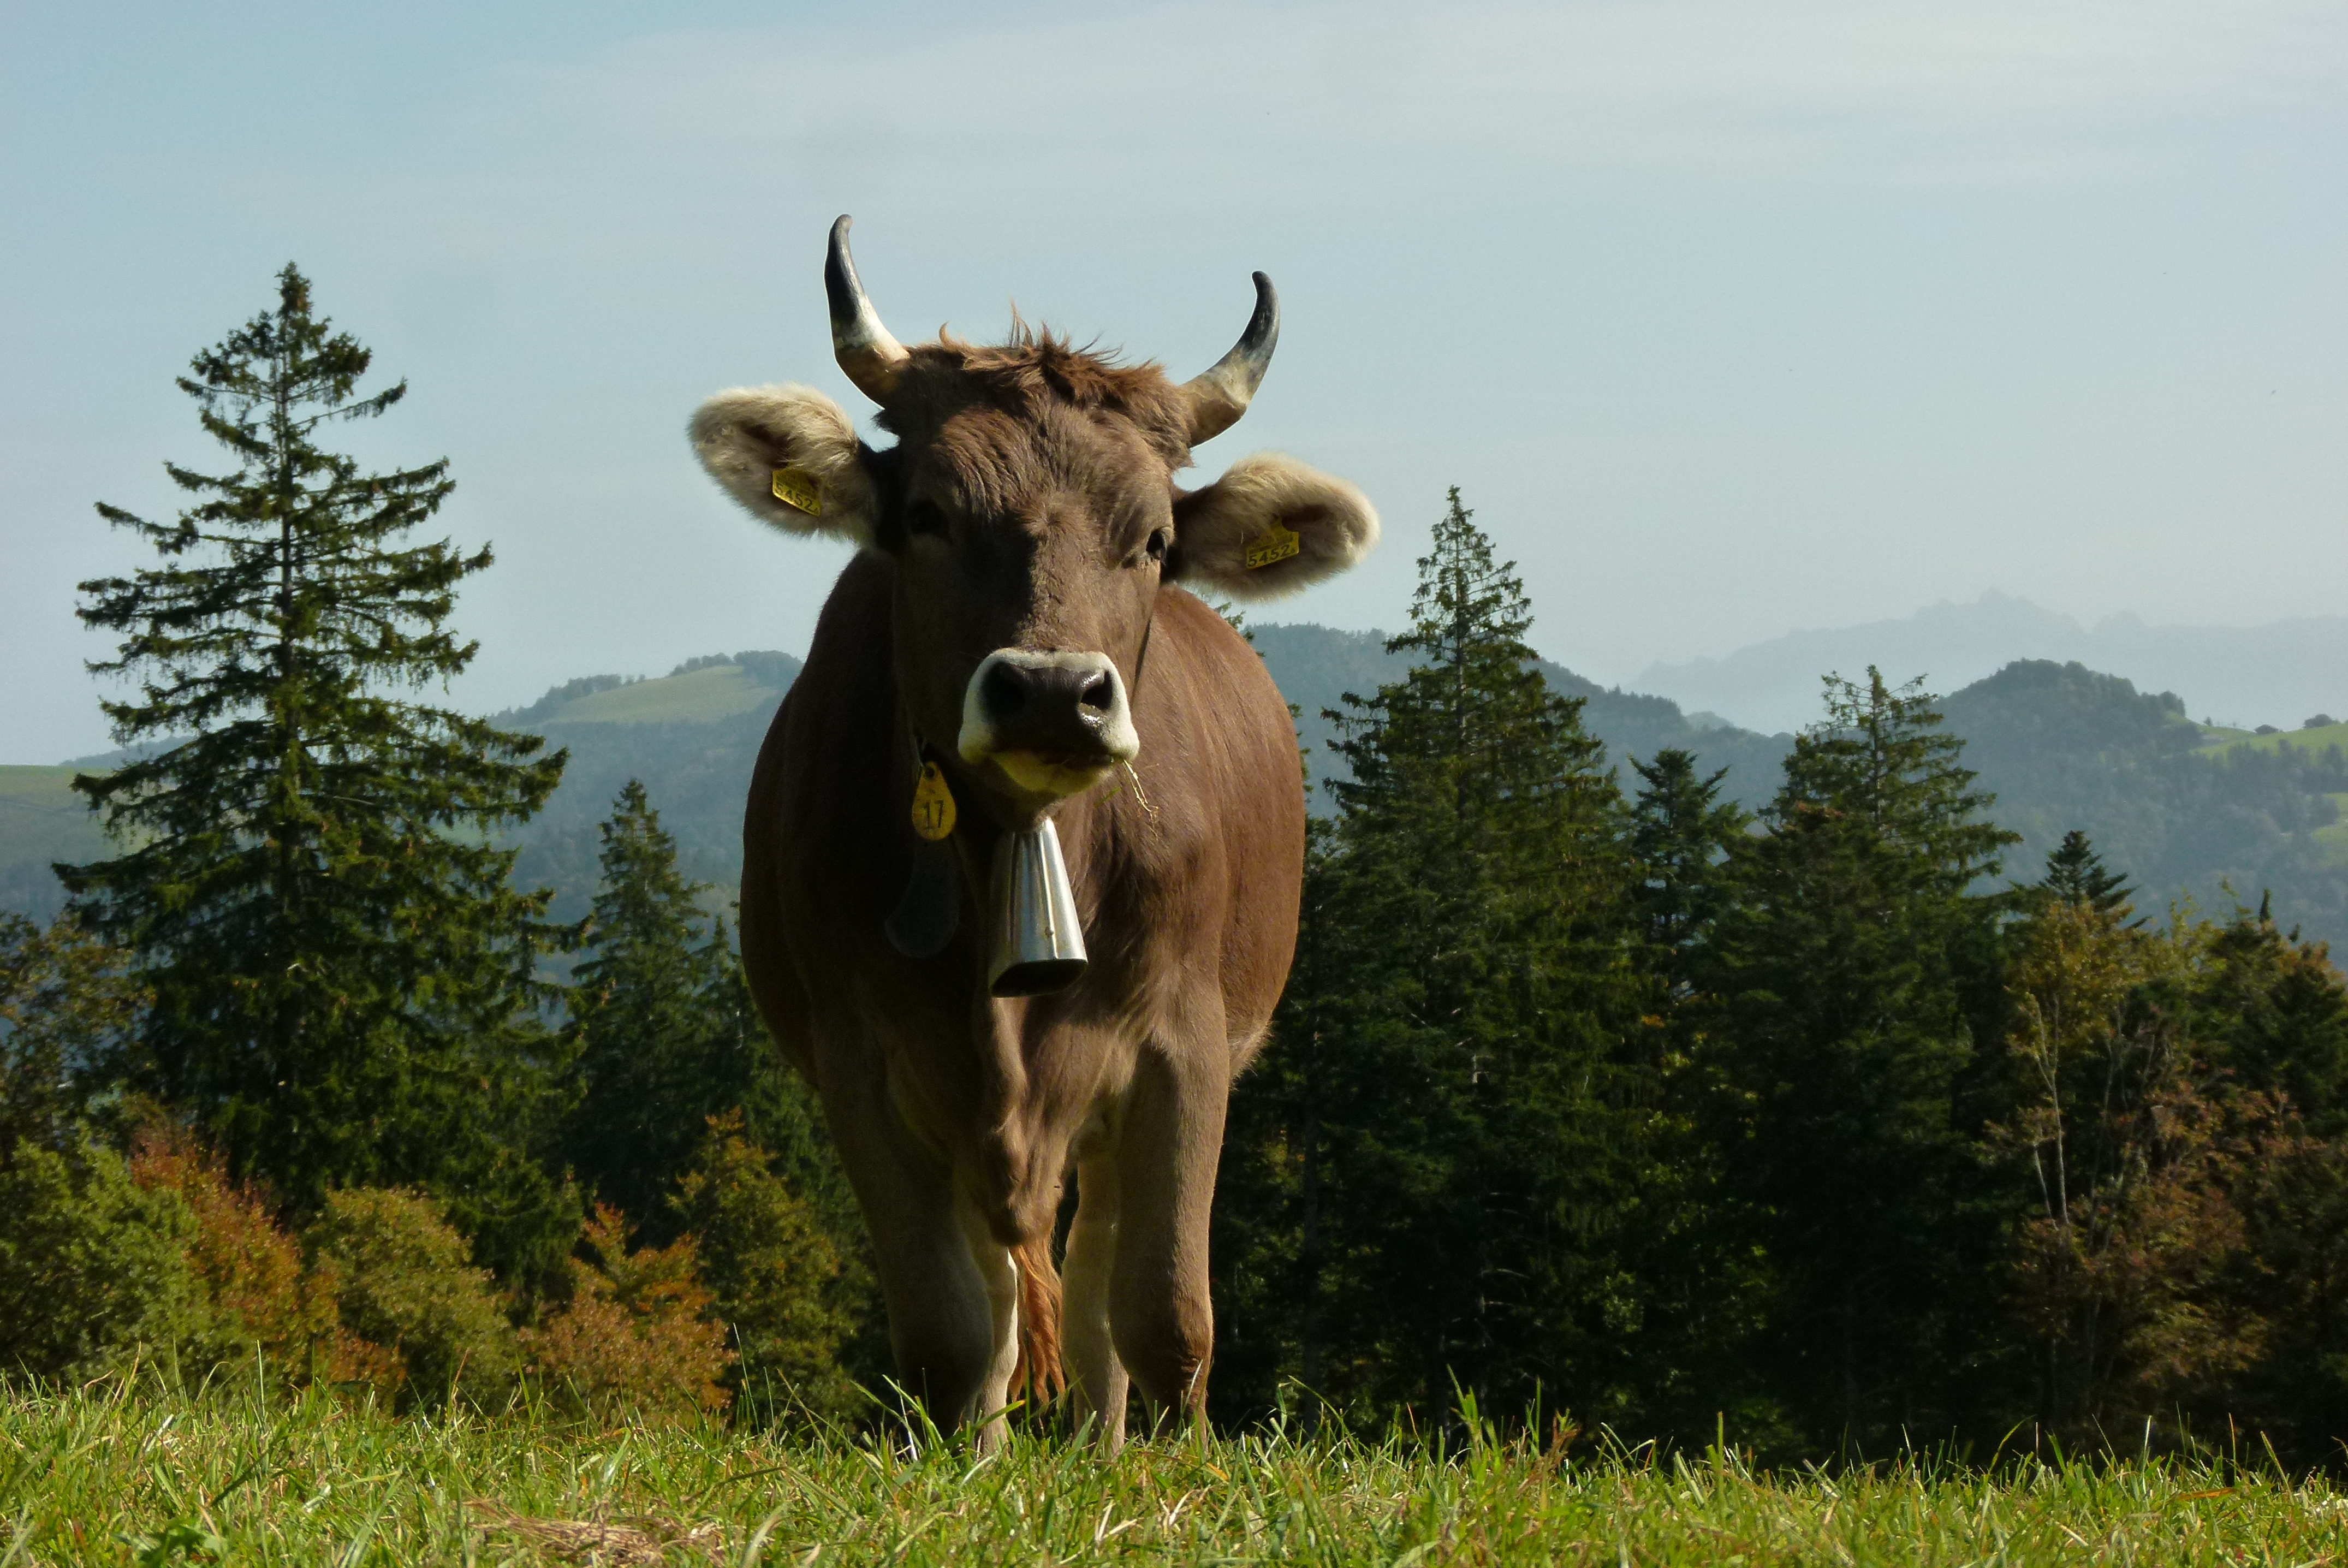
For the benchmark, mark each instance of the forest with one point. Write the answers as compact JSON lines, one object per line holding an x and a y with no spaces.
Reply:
{"x":1823,"y":1119}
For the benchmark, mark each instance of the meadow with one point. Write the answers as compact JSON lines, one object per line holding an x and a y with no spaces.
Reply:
{"x":42,"y":818}
{"x":145,"y":1475}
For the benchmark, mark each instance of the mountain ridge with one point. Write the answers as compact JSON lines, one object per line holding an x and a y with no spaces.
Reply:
{"x":2277,"y":672}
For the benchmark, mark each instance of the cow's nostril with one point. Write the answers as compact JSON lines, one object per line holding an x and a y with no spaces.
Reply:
{"x":1100,"y":696}
{"x":1005,"y":691}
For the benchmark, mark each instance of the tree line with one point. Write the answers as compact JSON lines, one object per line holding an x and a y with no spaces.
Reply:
{"x":1807,"y":1125}
{"x":1814,"y":1127}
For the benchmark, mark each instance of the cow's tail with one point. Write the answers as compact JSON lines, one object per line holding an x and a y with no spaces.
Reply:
{"x":1039,"y":1374}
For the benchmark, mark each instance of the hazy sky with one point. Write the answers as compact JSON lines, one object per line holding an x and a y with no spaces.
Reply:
{"x":1728,"y":317}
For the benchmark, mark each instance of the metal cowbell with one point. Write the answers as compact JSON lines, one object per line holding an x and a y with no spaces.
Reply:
{"x":1039,"y":945}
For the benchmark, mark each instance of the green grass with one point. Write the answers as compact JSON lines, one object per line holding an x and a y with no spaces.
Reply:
{"x":106,"y":1476}
{"x":42,"y":820}
{"x":2316,"y":739}
{"x":701,"y":697}
{"x":2334,"y":838}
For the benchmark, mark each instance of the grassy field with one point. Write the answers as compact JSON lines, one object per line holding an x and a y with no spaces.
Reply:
{"x":2320,"y":738}
{"x":102,"y":1476}
{"x":2334,"y":838}
{"x":699,"y":696}
{"x":42,"y":817}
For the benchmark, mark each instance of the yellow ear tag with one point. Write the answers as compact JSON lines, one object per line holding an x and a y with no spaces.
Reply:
{"x":1276,"y":545}
{"x":800,"y":490}
{"x":934,"y":805}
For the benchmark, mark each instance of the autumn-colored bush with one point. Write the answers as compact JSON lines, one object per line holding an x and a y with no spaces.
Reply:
{"x":404,"y":1282}
{"x":259,"y":1295}
{"x":776,"y":1277}
{"x":635,"y":1339}
{"x":93,"y":1270}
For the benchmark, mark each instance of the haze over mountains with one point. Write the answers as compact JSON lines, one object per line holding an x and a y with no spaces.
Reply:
{"x":2277,"y":674}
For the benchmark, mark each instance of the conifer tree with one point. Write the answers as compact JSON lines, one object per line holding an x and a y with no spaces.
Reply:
{"x":782,"y":1286}
{"x":662,"y":1045}
{"x":343,"y":983}
{"x":1854,"y":968}
{"x":1681,"y":835}
{"x":1448,"y":1054}
{"x":2076,"y":874}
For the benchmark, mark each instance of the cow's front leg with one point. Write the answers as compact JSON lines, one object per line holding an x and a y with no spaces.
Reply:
{"x":1001,"y":1277}
{"x":941,"y":1312}
{"x":1169,"y":1139}
{"x":1096,"y":1378}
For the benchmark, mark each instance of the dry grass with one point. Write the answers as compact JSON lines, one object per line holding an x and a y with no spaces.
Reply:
{"x":622,"y":1543}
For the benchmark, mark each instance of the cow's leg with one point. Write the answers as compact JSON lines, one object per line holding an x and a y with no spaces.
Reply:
{"x":1169,"y":1141}
{"x":1001,"y":1275}
{"x":1096,"y":1378}
{"x":941,"y":1316}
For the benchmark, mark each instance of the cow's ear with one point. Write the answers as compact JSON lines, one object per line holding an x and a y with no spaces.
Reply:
{"x":1268,"y":526}
{"x":790,"y":455}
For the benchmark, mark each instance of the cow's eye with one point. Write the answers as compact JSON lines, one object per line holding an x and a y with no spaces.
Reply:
{"x":1159,"y":540}
{"x":925,"y":517}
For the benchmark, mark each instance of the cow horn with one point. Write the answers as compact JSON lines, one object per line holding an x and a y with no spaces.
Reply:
{"x":1220,"y":395}
{"x":864,"y":347}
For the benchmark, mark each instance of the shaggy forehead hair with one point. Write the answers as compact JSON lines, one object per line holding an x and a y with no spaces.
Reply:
{"x":1030,"y":380}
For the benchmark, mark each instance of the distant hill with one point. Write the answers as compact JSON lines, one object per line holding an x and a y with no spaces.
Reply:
{"x":693,"y":737}
{"x":1317,"y":666}
{"x":2276,"y":674}
{"x":2064,"y":746}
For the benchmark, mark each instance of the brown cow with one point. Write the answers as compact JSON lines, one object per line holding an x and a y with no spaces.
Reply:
{"x":1012,"y":617}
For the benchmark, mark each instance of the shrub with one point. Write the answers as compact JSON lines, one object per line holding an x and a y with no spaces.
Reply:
{"x":775,"y":1273}
{"x":634,"y":1338}
{"x":405,"y":1282}
{"x":92,"y":1269}
{"x":257,"y":1295}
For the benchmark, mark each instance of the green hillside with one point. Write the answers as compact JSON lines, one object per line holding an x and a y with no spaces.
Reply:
{"x":2240,"y":818}
{"x":41,"y":821}
{"x":2334,"y":838}
{"x":692,"y":737}
{"x":697,"y":697}
{"x":2327,"y":742}
{"x":41,"y":815}
{"x":2322,"y":737}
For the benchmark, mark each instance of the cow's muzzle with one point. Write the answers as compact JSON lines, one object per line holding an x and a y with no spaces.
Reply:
{"x":1054,"y":723}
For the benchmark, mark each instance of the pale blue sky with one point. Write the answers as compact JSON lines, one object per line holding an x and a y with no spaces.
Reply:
{"x":1729,"y":318}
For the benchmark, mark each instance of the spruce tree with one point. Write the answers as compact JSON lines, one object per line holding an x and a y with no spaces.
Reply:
{"x":1449,"y":1053}
{"x":1681,"y":835}
{"x":662,"y":1046}
{"x":2076,"y":874}
{"x":1853,"y":970}
{"x":344,"y":984}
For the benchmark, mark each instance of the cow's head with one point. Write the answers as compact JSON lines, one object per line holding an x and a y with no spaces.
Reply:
{"x":1030,"y":513}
